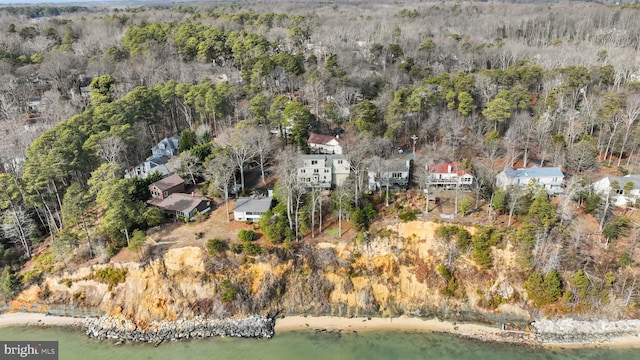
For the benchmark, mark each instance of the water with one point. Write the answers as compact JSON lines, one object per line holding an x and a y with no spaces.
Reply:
{"x":73,"y":344}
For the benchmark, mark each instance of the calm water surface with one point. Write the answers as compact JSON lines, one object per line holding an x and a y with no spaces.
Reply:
{"x":304,"y":345}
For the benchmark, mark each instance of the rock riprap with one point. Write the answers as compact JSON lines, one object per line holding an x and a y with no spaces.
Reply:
{"x":121,"y":329}
{"x":577,"y":331}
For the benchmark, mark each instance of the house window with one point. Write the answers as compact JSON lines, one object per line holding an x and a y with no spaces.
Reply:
{"x":302,"y":171}
{"x":339,"y":162}
{"x":165,"y":194}
{"x":326,"y":171}
{"x":396,"y":175}
{"x":619,"y":191}
{"x":315,"y":171}
{"x":314,"y":162}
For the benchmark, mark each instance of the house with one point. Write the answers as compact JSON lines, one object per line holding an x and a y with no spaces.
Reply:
{"x":167,"y":147}
{"x":161,"y":189}
{"x":182,"y":206}
{"x":323,"y":171}
{"x":325,"y":144}
{"x":161,"y":161}
{"x":449,"y":174}
{"x":162,"y":164}
{"x":251,"y":208}
{"x":624,"y":190}
{"x":550,"y":178}
{"x":395,"y":174}
{"x":34,"y":104}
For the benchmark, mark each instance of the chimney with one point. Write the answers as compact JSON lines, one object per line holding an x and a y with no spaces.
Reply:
{"x":449,"y":168}
{"x":193,"y":193}
{"x":270,"y":192}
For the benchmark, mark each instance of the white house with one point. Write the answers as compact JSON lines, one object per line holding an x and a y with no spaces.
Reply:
{"x":449,"y":174}
{"x":251,"y":208}
{"x":323,"y":171}
{"x":325,"y":144}
{"x":161,"y":161}
{"x":550,"y":178}
{"x":394,"y":172}
{"x":624,"y":190}
{"x":160,"y":164}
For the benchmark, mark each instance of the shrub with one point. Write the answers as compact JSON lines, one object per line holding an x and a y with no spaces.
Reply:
{"x":78,"y":296}
{"x":625,"y":259}
{"x":616,"y":228}
{"x":8,"y":283}
{"x":31,"y":276}
{"x":246,"y":235}
{"x":251,"y":249}
{"x":361,"y":238}
{"x":465,"y":205}
{"x":236,"y":248}
{"x":216,"y":246}
{"x":111,"y":276}
{"x":451,"y":286}
{"x":464,"y":240}
{"x":45,"y":261}
{"x":408,"y":215}
{"x":44,"y":293}
{"x":228,"y":291}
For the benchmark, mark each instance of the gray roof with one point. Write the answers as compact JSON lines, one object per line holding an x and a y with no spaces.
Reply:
{"x":252,"y":204}
{"x":533,"y":172}
{"x":157,"y":160}
{"x":179,"y":202}
{"x":168,"y":182}
{"x":170,"y":143}
{"x":400,"y":165}
{"x":622,"y":180}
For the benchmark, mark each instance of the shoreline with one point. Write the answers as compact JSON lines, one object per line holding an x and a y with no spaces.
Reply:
{"x":472,"y":331}
{"x":9,"y":319}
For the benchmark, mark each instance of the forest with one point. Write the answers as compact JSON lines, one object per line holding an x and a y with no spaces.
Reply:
{"x":87,"y":91}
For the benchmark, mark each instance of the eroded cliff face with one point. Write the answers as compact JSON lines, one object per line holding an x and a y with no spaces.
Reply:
{"x":394,"y":273}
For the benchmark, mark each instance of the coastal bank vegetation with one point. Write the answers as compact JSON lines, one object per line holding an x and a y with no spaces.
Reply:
{"x":87,"y":91}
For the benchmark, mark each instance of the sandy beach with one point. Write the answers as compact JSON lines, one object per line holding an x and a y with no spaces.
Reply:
{"x":28,"y":319}
{"x":465,"y":330}
{"x":403,"y":323}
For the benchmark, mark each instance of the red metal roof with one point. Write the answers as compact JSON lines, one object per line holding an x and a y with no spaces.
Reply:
{"x":448,"y":168}
{"x":321,"y":139}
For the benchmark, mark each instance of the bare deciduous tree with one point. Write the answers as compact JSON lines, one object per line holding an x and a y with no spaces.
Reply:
{"x":241,"y":149}
{"x":189,"y":165}
{"x":220,"y":170}
{"x":110,"y":149}
{"x":263,"y":145}
{"x":19,"y":227}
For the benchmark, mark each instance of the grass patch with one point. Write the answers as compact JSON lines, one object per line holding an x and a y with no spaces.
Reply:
{"x":111,"y":276}
{"x":332,"y":232}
